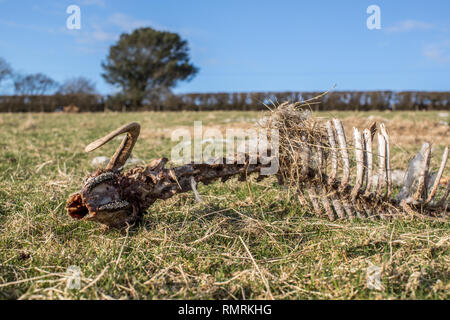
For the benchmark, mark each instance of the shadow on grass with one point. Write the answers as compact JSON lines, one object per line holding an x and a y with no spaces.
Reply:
{"x":370,"y":249}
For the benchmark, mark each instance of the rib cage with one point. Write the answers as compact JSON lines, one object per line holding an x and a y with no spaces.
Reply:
{"x":339,"y":188}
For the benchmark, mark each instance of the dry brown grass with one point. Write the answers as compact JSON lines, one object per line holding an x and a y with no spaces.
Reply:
{"x":194,"y":250}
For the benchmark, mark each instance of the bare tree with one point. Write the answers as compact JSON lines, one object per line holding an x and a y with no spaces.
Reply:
{"x":34,"y":85}
{"x":5,"y":70}
{"x":77,"y":85}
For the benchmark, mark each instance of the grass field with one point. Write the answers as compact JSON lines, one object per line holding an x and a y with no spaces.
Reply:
{"x":244,"y":241}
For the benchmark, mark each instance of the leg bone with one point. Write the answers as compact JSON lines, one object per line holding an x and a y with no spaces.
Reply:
{"x":438,"y":176}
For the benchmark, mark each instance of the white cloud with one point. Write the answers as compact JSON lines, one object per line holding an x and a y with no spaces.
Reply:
{"x":438,"y":52}
{"x":409,"y":25}
{"x":98,"y":35}
{"x":30,"y":27}
{"x":127,"y":23}
{"x":101,"y":35}
{"x":99,"y":3}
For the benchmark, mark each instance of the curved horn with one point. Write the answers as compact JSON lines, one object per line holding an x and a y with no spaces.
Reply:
{"x":123,"y":152}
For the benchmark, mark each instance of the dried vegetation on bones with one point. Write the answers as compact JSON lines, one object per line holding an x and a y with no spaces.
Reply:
{"x":332,"y":176}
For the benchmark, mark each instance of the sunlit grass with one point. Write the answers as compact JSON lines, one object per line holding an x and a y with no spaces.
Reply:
{"x":192,"y":250}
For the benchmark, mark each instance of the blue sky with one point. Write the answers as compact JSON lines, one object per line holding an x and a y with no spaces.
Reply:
{"x":246,"y":45}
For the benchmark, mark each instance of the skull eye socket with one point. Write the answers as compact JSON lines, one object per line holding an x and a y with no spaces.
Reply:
{"x":101,"y":194}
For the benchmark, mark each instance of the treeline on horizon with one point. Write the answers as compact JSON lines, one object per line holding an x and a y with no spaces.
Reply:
{"x":243,"y":101}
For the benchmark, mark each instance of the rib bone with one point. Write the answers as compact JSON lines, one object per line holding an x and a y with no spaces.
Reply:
{"x":388,"y":161}
{"x":313,"y":197}
{"x":369,"y":160}
{"x":327,"y":206}
{"x":359,"y":154}
{"x":412,"y":175}
{"x":421,"y":187}
{"x":381,"y":163}
{"x":334,"y":155}
{"x":344,"y":153}
{"x":337,"y":205}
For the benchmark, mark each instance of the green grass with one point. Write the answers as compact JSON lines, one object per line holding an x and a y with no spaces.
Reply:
{"x":186,"y":249}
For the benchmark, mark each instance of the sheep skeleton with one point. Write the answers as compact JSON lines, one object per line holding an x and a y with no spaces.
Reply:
{"x":310,"y":155}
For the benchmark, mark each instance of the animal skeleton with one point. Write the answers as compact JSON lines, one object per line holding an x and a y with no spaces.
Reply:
{"x":310,"y":157}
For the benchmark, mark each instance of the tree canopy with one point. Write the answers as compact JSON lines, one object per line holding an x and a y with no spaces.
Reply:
{"x":146,"y":63}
